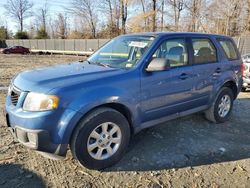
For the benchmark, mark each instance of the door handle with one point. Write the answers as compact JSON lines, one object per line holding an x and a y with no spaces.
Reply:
{"x":218,"y":70}
{"x":184,"y":76}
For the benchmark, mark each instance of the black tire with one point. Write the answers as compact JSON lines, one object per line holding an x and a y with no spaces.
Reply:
{"x":212,"y":114}
{"x":85,"y":127}
{"x":243,"y":89}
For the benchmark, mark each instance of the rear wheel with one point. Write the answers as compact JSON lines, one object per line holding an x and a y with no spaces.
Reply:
{"x":222,"y":106}
{"x":101,"y":139}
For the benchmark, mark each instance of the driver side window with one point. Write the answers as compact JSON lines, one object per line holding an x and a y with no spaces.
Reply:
{"x":175,"y":51}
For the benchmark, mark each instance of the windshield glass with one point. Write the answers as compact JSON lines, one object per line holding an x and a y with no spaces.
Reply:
{"x":122,"y":52}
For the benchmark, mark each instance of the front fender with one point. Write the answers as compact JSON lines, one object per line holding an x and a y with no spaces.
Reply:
{"x":88,"y":99}
{"x":99,"y":96}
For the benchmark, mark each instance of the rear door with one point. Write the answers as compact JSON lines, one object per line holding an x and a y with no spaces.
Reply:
{"x":206,"y":66}
{"x":232,"y":60}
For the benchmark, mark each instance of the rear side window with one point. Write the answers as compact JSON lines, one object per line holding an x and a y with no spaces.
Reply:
{"x":229,"y":49}
{"x":204,"y":51}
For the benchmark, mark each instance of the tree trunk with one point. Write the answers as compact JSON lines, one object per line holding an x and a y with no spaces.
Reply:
{"x":162,"y":15}
{"x":194,"y":12}
{"x":248,"y":17}
{"x":21,"y":24}
{"x":175,"y":15}
{"x":93,"y":29}
{"x":154,"y":16}
{"x":110,"y":12}
{"x":124,"y":13}
{"x":144,"y":12}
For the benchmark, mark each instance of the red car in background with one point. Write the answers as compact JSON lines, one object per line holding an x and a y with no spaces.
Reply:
{"x":16,"y":50}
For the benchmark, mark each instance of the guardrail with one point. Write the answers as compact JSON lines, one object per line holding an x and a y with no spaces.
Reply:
{"x":84,"y":53}
{"x":83,"y":45}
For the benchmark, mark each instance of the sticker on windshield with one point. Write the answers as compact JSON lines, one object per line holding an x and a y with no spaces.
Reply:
{"x":138,"y":44}
{"x":129,"y":65}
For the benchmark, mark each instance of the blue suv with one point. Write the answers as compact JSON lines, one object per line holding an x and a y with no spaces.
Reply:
{"x":131,"y":83}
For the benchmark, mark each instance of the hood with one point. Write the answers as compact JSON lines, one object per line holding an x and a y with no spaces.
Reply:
{"x":45,"y":79}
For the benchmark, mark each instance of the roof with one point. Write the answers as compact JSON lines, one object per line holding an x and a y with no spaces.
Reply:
{"x":174,"y":33}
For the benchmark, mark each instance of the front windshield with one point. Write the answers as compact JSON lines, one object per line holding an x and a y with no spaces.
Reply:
{"x":122,"y":52}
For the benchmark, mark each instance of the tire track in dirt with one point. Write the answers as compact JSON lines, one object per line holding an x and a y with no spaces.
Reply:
{"x":204,"y":168}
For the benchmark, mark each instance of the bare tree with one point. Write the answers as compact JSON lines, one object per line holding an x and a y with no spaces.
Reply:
{"x":42,"y":16}
{"x":112,"y":11}
{"x":194,"y":8}
{"x":154,"y":15}
{"x":235,"y":17}
{"x":247,"y":26}
{"x":124,"y":14}
{"x":178,"y":6}
{"x":226,"y":17}
{"x":143,"y":4}
{"x":162,"y":13}
{"x":109,"y":4}
{"x":61,"y":23}
{"x":86,"y":9}
{"x":19,"y":10}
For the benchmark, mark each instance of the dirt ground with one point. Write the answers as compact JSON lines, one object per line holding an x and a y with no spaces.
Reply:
{"x":186,"y":152}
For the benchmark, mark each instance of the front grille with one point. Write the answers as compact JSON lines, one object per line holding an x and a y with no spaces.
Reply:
{"x":14,"y":95}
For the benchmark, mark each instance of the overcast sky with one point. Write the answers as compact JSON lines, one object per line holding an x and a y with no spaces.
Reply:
{"x":55,"y":7}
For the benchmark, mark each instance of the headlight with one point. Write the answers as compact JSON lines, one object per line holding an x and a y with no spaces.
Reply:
{"x":40,"y":102}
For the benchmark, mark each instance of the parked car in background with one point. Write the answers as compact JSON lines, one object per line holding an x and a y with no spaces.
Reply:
{"x":133,"y":82}
{"x":16,"y":50}
{"x":246,"y":73}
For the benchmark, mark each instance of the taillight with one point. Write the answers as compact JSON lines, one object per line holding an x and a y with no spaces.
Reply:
{"x":242,"y":68}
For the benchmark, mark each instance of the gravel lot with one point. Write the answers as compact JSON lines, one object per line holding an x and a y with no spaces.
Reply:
{"x":187,"y":152}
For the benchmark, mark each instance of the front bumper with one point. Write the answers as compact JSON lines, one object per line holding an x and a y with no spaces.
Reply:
{"x":37,"y":139}
{"x":48,"y":131}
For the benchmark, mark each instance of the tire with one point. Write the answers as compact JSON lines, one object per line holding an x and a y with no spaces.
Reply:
{"x":243,"y":89}
{"x":82,"y":139}
{"x":213,"y":113}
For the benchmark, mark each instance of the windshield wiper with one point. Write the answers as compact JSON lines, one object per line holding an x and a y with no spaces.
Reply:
{"x":97,"y":63}
{"x":84,"y":61}
{"x":103,"y":64}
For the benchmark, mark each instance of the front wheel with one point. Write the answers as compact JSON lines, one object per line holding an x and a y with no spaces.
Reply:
{"x":101,"y":139}
{"x":222,"y":106}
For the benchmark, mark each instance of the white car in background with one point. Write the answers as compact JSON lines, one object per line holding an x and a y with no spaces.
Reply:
{"x":246,"y":75}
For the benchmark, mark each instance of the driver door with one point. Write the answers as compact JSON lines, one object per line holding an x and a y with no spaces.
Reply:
{"x":168,"y":92}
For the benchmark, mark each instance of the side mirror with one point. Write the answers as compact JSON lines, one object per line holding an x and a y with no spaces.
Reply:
{"x":158,"y":64}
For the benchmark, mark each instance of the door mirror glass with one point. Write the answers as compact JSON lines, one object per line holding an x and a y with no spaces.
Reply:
{"x":158,"y":64}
